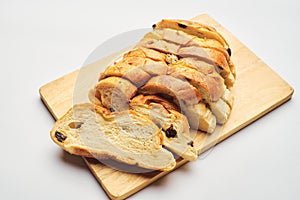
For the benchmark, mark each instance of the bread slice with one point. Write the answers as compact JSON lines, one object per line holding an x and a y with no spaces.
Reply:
{"x":212,"y":90}
{"x":89,"y":130}
{"x":201,"y":118}
{"x":228,"y":98}
{"x":147,"y":99}
{"x":208,"y":67}
{"x":221,"y":110}
{"x":159,"y":45}
{"x":113,"y":93}
{"x":181,"y":92}
{"x":127,"y":69}
{"x":209,"y":55}
{"x":138,"y":65}
{"x":193,"y":28}
{"x":146,"y":53}
{"x":211,"y":87}
{"x":199,"y":115}
{"x":174,"y":125}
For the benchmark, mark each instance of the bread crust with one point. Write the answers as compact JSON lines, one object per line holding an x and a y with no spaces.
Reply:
{"x":181,"y":92}
{"x":146,"y":53}
{"x":211,"y":87}
{"x":207,"y":68}
{"x":213,"y":57}
{"x":147,"y":99}
{"x":137,"y":66}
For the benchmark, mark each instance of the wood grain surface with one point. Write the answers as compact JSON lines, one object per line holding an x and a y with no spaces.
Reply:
{"x":257,"y":91}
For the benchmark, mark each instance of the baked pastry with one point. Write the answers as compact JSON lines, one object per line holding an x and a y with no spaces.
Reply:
{"x":177,"y":77}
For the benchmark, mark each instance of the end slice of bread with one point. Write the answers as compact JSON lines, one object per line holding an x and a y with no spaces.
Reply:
{"x":129,"y":137}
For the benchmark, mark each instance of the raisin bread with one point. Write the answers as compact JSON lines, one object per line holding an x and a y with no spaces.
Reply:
{"x":178,"y":76}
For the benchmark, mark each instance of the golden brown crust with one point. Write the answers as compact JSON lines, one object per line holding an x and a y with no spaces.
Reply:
{"x":147,"y":99}
{"x":128,"y":68}
{"x":211,"y":87}
{"x":213,"y":57}
{"x":206,"y":54}
{"x":146,"y":53}
{"x":159,"y":45}
{"x":137,"y":67}
{"x":207,"y":68}
{"x":199,"y":65}
{"x":181,"y":92}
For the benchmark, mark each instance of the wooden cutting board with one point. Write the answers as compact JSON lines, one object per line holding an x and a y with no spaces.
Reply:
{"x":257,"y":91}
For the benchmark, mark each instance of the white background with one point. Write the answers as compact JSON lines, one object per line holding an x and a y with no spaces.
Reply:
{"x":43,"y":40}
